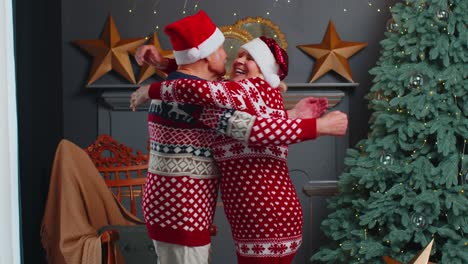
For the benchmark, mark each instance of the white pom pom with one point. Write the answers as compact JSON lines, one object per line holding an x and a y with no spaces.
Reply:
{"x":272,"y":79}
{"x":193,"y":54}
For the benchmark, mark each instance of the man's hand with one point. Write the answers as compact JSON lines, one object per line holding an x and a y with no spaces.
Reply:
{"x":139,"y":97}
{"x":150,"y":55}
{"x":332,"y":124}
{"x":309,"y":107}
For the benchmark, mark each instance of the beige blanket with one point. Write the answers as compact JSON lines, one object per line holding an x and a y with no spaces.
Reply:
{"x":78,"y":204}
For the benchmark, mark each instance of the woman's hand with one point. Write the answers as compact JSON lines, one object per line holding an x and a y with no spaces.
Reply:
{"x":309,"y":107}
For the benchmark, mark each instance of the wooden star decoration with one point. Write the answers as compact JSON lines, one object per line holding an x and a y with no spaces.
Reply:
{"x":110,"y":53}
{"x":148,"y":70}
{"x":421,"y":258}
{"x":332,"y":54}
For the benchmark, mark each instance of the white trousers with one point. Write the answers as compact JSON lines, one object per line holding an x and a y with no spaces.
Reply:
{"x":178,"y":254}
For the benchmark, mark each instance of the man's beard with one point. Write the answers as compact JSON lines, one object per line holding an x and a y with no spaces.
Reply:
{"x":218,"y":72}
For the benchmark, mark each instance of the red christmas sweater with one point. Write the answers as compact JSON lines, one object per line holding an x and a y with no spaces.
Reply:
{"x":182,"y":183}
{"x":259,"y":198}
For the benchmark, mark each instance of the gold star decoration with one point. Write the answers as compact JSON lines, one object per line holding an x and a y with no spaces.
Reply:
{"x":421,"y":258}
{"x":148,"y":70}
{"x":110,"y":53}
{"x":332,"y":54}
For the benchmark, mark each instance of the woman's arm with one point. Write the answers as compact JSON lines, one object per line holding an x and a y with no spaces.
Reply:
{"x":206,"y":93}
{"x":255,"y":130}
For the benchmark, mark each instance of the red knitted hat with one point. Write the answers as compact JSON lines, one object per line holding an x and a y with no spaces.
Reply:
{"x":270,"y":57}
{"x":194,"y":38}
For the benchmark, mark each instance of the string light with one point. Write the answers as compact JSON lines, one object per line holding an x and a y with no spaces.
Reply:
{"x":155,"y":7}
{"x":185,"y":6}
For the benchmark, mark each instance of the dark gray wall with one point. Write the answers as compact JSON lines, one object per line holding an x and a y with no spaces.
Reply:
{"x":302,"y":21}
{"x":37,"y":28}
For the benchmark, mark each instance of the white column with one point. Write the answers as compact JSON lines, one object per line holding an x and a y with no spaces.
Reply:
{"x":9,"y":188}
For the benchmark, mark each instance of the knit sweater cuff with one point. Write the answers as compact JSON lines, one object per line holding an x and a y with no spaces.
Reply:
{"x":171,"y":66}
{"x":154,"y":91}
{"x":309,"y":128}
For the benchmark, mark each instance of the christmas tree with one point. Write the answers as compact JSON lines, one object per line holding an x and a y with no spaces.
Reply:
{"x":406,"y":183}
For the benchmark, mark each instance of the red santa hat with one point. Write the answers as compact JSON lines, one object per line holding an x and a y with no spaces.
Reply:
{"x":270,"y":58}
{"x":194,"y":38}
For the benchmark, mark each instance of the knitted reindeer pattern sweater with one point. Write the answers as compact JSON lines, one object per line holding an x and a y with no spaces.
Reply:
{"x":182,"y":183}
{"x":259,"y":198}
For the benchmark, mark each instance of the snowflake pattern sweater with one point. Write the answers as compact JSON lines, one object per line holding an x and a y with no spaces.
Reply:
{"x":259,"y":198}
